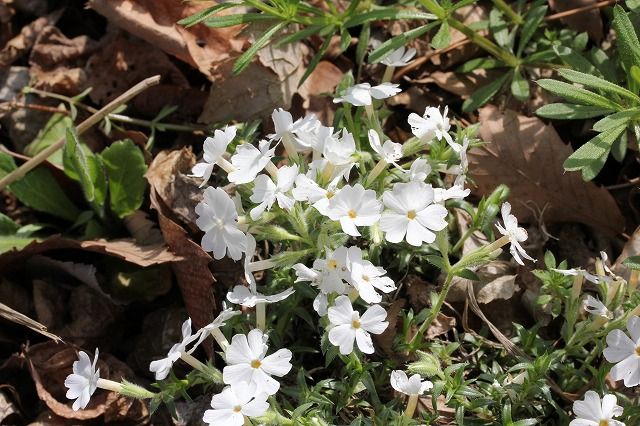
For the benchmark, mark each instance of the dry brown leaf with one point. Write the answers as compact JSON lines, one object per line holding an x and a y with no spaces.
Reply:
{"x":527,"y":155}
{"x":589,"y":21}
{"x":441,"y":325}
{"x":385,"y":340}
{"x":463,"y":85}
{"x":497,"y":282}
{"x":468,"y":15}
{"x":20,"y":44}
{"x":631,"y":248}
{"x":323,"y":80}
{"x":155,"y":21}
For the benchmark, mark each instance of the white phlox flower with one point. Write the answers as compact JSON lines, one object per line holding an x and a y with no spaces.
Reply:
{"x":162,"y":367}
{"x":231,"y":405}
{"x":515,"y":233}
{"x":339,"y":150}
{"x":586,"y":275}
{"x":347,"y":325}
{"x":400,"y":57}
{"x":624,"y":351}
{"x":366,"y":278}
{"x":83,"y":382}
{"x":207,"y":330}
{"x":411,"y":214}
{"x":390,"y":152}
{"x":249,"y":161}
{"x":247,"y":362}
{"x":433,"y":124}
{"x":218,"y":218}
{"x":214,"y":148}
{"x":354,"y":206}
{"x":265,"y":192}
{"x":313,"y":137}
{"x":285,"y":126}
{"x":461,"y":150}
{"x":596,"y":307}
{"x":593,"y":412}
{"x":419,"y":170}
{"x":308,"y":190}
{"x":242,"y":295}
{"x":413,"y":385}
{"x":456,"y":192}
{"x":363,"y":94}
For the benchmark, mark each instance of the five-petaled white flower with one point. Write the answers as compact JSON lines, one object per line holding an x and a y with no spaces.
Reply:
{"x":625,"y":353}
{"x":400,"y":57}
{"x":390,"y":152}
{"x":162,"y":367}
{"x":266,"y":192}
{"x":363,"y":94}
{"x":339,"y":151}
{"x":412,"y":214}
{"x":347,"y":325}
{"x":409,"y":385}
{"x":366,"y":278}
{"x":596,"y":307}
{"x":354,"y":206}
{"x":214,"y":148}
{"x":218,"y":219}
{"x":231,"y":405}
{"x":249,"y":161}
{"x":433,"y":124}
{"x":208,"y":329}
{"x":308,"y":190}
{"x":593,"y":412}
{"x":83,"y":382}
{"x":247,"y":363}
{"x":515,"y":233}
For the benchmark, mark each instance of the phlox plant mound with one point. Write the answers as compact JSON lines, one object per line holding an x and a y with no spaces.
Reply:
{"x":341,"y":213}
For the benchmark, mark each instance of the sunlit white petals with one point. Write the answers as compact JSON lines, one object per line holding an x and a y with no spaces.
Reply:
{"x":411,"y":214}
{"x":241,"y":295}
{"x":162,"y":367}
{"x":363,"y":94}
{"x":515,"y":233}
{"x":266,"y":192}
{"x":219,"y":220}
{"x":207,"y":330}
{"x":400,"y":57}
{"x":409,"y":385}
{"x":419,"y":170}
{"x":354,"y":206}
{"x":284,"y":124}
{"x":596,"y":307}
{"x":390,"y":152}
{"x":247,"y":362}
{"x":456,"y":192}
{"x":587,"y":276}
{"x":249,"y":161}
{"x":367,"y":278}
{"x":433,"y":124}
{"x":593,"y":412}
{"x":83,"y":382}
{"x":214,"y":148}
{"x":234,"y":402}
{"x":308,"y":190}
{"x":348,"y":326}
{"x":339,"y":151}
{"x":624,"y":351}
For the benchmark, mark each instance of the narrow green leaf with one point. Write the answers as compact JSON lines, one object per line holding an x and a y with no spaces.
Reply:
{"x":363,"y":44}
{"x":632,"y":262}
{"x":442,"y":39}
{"x":574,"y":60}
{"x":386,"y":14}
{"x":484,"y":94}
{"x":51,"y":133}
{"x":633,"y":4}
{"x":519,"y":86}
{"x":245,"y":59}
{"x":577,"y":94}
{"x":594,"y":82}
{"x":480,"y":63}
{"x":619,"y":147}
{"x":125,"y":167}
{"x":607,"y":67}
{"x":203,"y":15}
{"x":345,"y":40}
{"x":241,"y":18}
{"x":315,"y":60}
{"x":562,"y":111}
{"x":532,"y":22}
{"x":302,"y":34}
{"x":7,"y":225}
{"x":628,"y":44}
{"x":542,"y":56}
{"x":618,"y":119}
{"x":74,"y":156}
{"x":590,"y":157}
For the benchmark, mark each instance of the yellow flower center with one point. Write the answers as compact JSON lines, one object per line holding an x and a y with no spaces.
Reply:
{"x":330,"y":194}
{"x":638,"y":351}
{"x":366,"y":278}
{"x":352,"y":214}
{"x":332,"y":264}
{"x":411,"y":214}
{"x":255,"y":364}
{"x":237,"y":408}
{"x":355,"y":324}
{"x":603,"y":423}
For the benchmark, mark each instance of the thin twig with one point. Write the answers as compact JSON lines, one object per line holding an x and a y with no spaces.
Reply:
{"x":35,"y":107}
{"x":81,"y":128}
{"x":577,"y":10}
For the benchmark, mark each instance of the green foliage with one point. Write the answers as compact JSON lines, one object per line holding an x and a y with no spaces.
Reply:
{"x":125,"y":168}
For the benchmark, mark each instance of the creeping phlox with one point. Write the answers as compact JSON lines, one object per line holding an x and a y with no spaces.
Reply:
{"x":327,"y":178}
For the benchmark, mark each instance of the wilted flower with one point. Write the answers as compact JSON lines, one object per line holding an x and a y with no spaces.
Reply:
{"x":219,"y":220}
{"x":209,"y":329}
{"x":234,"y":402}
{"x":265,"y":192}
{"x":596,"y":307}
{"x":400,"y":57}
{"x":456,"y":192}
{"x":363,"y":94}
{"x":577,"y":271}
{"x":592,"y":412}
{"x":83,"y":382}
{"x":433,"y":124}
{"x":162,"y":367}
{"x":625,"y":353}
{"x":249,"y":161}
{"x":248,"y":364}
{"x":214,"y":148}
{"x":411,"y":214}
{"x":409,"y":385}
{"x":354,"y":206}
{"x":515,"y":233}
{"x":347,"y":326}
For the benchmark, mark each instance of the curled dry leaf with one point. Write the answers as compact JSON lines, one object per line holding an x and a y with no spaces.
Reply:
{"x":534,"y":154}
{"x":323,"y":80}
{"x":497,"y":282}
{"x":50,"y":363}
{"x":20,"y":44}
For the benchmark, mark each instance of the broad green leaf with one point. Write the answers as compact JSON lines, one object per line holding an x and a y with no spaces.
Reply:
{"x":632,"y":262}
{"x":577,"y":94}
{"x":480,"y":63}
{"x":619,"y":147}
{"x":442,"y":39}
{"x":397,"y":41}
{"x":245,"y":59}
{"x":531,"y":24}
{"x":386,"y":14}
{"x":203,"y":15}
{"x":125,"y":167}
{"x":77,"y":159}
{"x":484,"y":94}
{"x":590,"y":157}
{"x":618,"y":119}
{"x":594,"y":82}
{"x":14,"y":242}
{"x":627,"y":43}
{"x":40,"y":191}
{"x":519,"y":86}
{"x":51,"y":133}
{"x":7,"y":225}
{"x":562,"y":111}
{"x":574,"y":60}
{"x":241,"y":18}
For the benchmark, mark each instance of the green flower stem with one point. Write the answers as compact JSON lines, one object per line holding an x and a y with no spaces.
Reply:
{"x":435,"y":310}
{"x":412,"y":403}
{"x":375,"y":172}
{"x":213,"y":374}
{"x":458,"y":246}
{"x":508,"y":11}
{"x":373,"y":119}
{"x":388,"y":74}
{"x":289,"y":146}
{"x":220,"y":339}
{"x":261,"y":265}
{"x":261,"y":316}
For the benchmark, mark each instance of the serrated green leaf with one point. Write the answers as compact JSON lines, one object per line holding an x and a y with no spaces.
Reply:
{"x":245,"y":59}
{"x":442,"y":39}
{"x":590,"y":157}
{"x":562,"y":111}
{"x":480,"y":63}
{"x":75,"y":156}
{"x":577,"y":94}
{"x":594,"y":82}
{"x":196,"y":18}
{"x":484,"y":94}
{"x":519,"y":86}
{"x":125,"y":167}
{"x":532,"y":22}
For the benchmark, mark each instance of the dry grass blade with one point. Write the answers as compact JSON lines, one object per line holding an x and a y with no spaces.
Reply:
{"x":18,"y":318}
